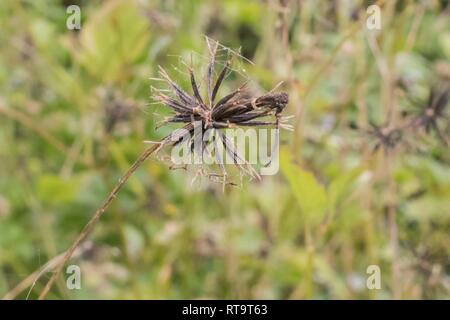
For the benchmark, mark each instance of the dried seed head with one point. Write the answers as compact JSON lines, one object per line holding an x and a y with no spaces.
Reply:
{"x":238,"y":108}
{"x":433,"y":111}
{"x":385,"y":137}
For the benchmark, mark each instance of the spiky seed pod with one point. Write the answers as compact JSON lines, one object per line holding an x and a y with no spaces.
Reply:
{"x":434,"y":110}
{"x":236,"y":109}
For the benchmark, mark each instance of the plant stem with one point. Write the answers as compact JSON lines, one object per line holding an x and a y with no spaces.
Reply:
{"x":88,"y":227}
{"x":32,"y":278}
{"x":393,"y":230}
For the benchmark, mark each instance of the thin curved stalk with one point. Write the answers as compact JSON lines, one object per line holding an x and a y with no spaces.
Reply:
{"x":89,"y":226}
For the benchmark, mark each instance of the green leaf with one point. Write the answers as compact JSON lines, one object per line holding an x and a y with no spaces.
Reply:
{"x":341,"y":186}
{"x":116,"y":37}
{"x":55,"y":190}
{"x":310,"y":195}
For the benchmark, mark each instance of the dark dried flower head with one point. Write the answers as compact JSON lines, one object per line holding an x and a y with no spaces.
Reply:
{"x":434,"y":110}
{"x":116,"y":108}
{"x":236,"y":109}
{"x":385,"y":137}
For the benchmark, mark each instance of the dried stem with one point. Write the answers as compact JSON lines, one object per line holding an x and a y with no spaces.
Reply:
{"x":88,"y":227}
{"x":34,"y":277}
{"x":393,"y":228}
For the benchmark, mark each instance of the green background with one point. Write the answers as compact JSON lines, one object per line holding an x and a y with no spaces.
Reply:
{"x":75,"y":110}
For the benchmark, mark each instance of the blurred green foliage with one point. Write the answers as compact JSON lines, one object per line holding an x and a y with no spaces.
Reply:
{"x":74,"y":111}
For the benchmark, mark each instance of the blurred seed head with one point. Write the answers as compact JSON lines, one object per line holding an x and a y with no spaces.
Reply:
{"x":116,"y":109}
{"x":432,"y":112}
{"x":385,"y":137}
